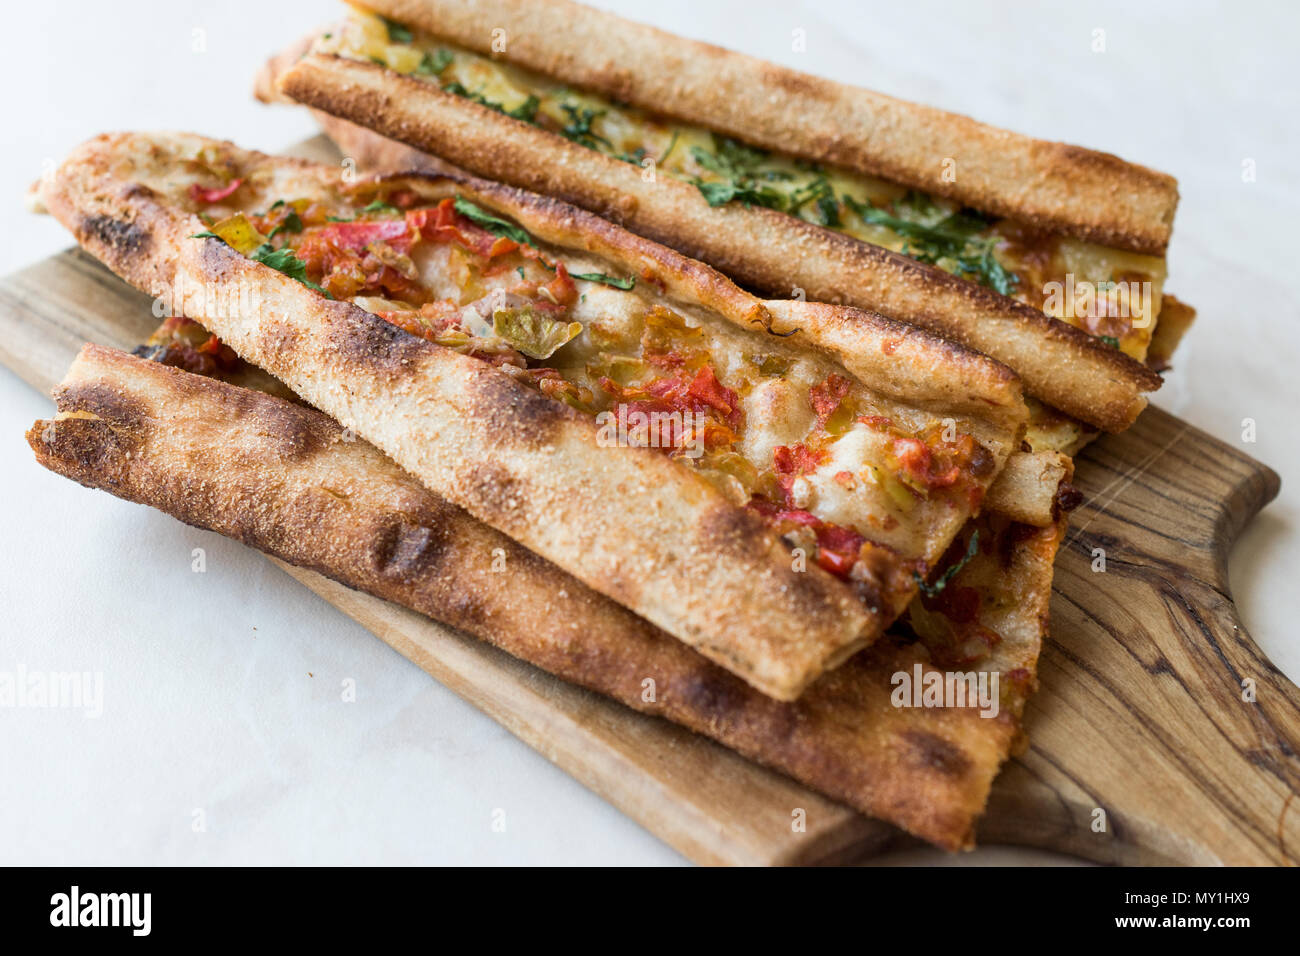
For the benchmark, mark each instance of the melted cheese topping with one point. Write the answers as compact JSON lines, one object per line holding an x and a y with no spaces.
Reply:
{"x":781,"y":423}
{"x":1109,"y":293}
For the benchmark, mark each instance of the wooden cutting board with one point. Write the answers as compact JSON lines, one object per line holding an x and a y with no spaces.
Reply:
{"x":1141,"y":714}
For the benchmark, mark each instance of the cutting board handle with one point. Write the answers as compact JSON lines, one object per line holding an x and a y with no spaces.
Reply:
{"x":1161,"y":734}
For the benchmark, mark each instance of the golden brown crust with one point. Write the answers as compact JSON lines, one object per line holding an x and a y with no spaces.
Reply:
{"x":1176,"y":317}
{"x":1056,"y":186}
{"x":1028,"y":487}
{"x":712,"y":574}
{"x":523,"y":463}
{"x":1013,"y":574}
{"x":371,"y":152}
{"x":265,"y":79}
{"x":761,"y":248}
{"x":285,"y":479}
{"x":375,"y":153}
{"x":903,"y":361}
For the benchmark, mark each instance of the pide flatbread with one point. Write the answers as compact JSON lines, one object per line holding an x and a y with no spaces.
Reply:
{"x":474,"y":333}
{"x":1005,"y":255}
{"x":1076,"y":191}
{"x":1050,"y":431}
{"x":288,"y":480}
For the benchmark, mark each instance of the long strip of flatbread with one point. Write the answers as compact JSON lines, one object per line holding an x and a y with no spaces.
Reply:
{"x":625,"y":520}
{"x":289,"y":481}
{"x":1052,"y":186}
{"x":1049,"y":433}
{"x":761,"y":248}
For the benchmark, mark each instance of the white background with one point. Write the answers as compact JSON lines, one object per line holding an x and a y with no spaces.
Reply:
{"x":222,"y":689}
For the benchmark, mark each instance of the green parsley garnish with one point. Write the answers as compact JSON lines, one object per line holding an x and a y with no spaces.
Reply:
{"x":672,"y":145}
{"x":820,"y":194}
{"x":493,"y":224}
{"x":617,"y":283}
{"x":1110,"y":340}
{"x":602,"y":278}
{"x":286,"y":261}
{"x":953,"y":239}
{"x":281,"y":260}
{"x":291,"y":224}
{"x":396,"y":32}
{"x":377,"y":205}
{"x":431,"y":64}
{"x":741,"y":179}
{"x":526,"y":111}
{"x":579,"y":130}
{"x":503,"y":227}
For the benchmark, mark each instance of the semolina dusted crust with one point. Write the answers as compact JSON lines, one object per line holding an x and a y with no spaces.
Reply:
{"x":721,"y":581}
{"x":290,"y":481}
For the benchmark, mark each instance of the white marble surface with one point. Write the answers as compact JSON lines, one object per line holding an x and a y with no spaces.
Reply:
{"x":222,"y":690}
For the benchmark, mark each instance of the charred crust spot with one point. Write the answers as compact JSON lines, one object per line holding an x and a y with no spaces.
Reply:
{"x":295,"y":432}
{"x":179,"y":355}
{"x":741,"y":533}
{"x":103,"y":401}
{"x":796,"y":84}
{"x":981,"y":462}
{"x":881,"y":578}
{"x":734,"y":530}
{"x":216,"y":259}
{"x":505,"y":406}
{"x":369,"y":341}
{"x":933,"y":752}
{"x":618,"y":84}
{"x":411,"y":551}
{"x":710,"y":692}
{"x":86,"y":450}
{"x":867,"y":591}
{"x":1109,"y":163}
{"x":406,"y":550}
{"x":115,"y":236}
